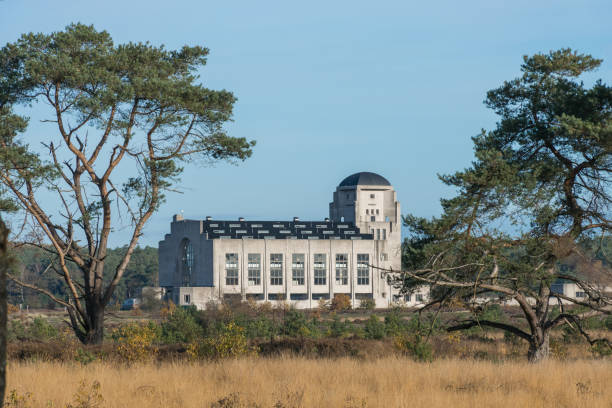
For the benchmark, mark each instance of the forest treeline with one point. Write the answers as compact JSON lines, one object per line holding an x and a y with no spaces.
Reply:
{"x":37,"y":266}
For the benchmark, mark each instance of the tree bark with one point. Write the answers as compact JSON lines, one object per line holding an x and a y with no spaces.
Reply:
{"x":539,"y":349}
{"x":4,"y":266}
{"x":95,"y":333}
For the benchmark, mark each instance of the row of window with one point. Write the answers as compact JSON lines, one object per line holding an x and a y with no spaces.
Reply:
{"x":407,"y":298}
{"x":377,"y":231}
{"x":297,"y":269}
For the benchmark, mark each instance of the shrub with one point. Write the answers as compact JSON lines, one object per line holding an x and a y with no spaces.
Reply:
{"x":87,"y":396}
{"x":323,"y":305}
{"x":180,"y":326}
{"x":337,"y":327}
{"x":394,"y":324}
{"x":231,"y":342}
{"x":374,"y":328}
{"x":415,"y":346}
{"x":295,"y":324}
{"x":40,"y":329}
{"x":492,"y":312}
{"x":340,"y":302}
{"x":84,"y":357}
{"x":135,"y":341}
{"x":260,"y":327}
{"x":16,"y":400}
{"x":16,"y":330}
{"x":367,"y":304}
{"x":608,"y":323}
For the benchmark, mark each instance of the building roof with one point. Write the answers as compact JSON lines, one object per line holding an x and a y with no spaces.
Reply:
{"x":282,"y":230}
{"x":365,"y":178}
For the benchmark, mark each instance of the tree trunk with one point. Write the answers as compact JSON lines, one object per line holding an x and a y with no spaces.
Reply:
{"x":95,"y":333}
{"x":539,"y":350}
{"x":4,"y":266}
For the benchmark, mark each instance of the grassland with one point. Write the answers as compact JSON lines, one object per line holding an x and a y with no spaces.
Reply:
{"x":298,"y":382}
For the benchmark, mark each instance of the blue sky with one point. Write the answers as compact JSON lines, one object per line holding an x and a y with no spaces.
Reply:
{"x":329,"y":88}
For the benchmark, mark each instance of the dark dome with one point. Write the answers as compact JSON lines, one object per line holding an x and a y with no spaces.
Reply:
{"x":365,"y":178}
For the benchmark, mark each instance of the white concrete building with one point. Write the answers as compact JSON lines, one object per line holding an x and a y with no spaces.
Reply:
{"x":295,"y":261}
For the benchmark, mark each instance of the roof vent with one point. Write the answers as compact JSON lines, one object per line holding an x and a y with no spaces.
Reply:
{"x":326,"y":219}
{"x":208,"y":218}
{"x":296,"y":219}
{"x":241,"y":219}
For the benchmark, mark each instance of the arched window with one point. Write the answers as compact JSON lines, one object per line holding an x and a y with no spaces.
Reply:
{"x":186,"y":262}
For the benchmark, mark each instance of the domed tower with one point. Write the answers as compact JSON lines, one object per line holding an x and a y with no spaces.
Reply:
{"x":368,"y":200}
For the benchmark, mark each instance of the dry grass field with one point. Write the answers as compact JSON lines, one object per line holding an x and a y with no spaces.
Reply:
{"x":298,"y":382}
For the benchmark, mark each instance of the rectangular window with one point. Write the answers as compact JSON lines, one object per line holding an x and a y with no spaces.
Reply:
{"x":297,"y":269}
{"x":254,"y":269}
{"x":320,"y":271}
{"x":363,"y":269}
{"x":579,"y":294}
{"x":418,"y":297}
{"x":372,"y":196}
{"x":377,"y":211}
{"x":406,"y":298}
{"x":378,"y":233}
{"x":373,"y":218}
{"x":384,"y":234}
{"x":187,"y":299}
{"x":276,"y":269}
{"x":341,"y":269}
{"x":231,"y":269}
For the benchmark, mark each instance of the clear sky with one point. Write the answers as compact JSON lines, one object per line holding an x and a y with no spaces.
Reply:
{"x":330,"y":88}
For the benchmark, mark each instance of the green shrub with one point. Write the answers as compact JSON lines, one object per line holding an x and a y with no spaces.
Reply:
{"x":394,"y":324}
{"x":295,"y":324}
{"x":180,"y":326}
{"x":374,"y":328}
{"x":40,"y":329}
{"x":608,"y":323}
{"x":16,"y":330}
{"x":414,"y":345}
{"x":367,"y":304}
{"x":260,"y":327}
{"x":492,"y":312}
{"x":84,"y":357}
{"x":337,"y":327}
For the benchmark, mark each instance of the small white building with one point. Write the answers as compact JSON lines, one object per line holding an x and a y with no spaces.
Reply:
{"x":299,"y":262}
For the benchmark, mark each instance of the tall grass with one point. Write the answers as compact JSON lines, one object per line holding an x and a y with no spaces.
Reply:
{"x":297,"y":382}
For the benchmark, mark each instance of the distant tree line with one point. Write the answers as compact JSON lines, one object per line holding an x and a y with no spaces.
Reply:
{"x":35,"y":265}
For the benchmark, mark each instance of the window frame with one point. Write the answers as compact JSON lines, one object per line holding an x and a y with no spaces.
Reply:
{"x":254,"y":272}
{"x":234,"y":278}
{"x":276,"y":272}
{"x":342,"y":269}
{"x":320,"y":272}
{"x":363,"y":272}
{"x":298,"y":272}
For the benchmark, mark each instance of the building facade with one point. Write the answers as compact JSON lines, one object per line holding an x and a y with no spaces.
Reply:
{"x":299,"y":262}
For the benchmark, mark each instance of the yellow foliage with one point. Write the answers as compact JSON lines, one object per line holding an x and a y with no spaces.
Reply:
{"x":167,"y":310}
{"x":230,"y":343}
{"x":135,"y":342}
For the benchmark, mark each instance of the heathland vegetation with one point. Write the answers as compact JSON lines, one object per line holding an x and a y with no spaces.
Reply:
{"x":295,"y":382}
{"x":247,"y":355}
